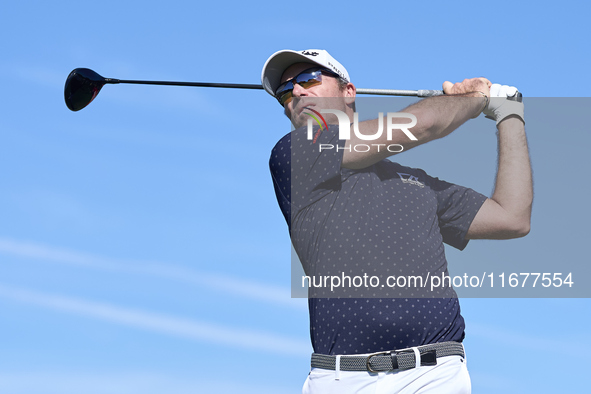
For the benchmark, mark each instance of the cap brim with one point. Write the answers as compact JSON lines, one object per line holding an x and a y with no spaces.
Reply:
{"x":276,"y":66}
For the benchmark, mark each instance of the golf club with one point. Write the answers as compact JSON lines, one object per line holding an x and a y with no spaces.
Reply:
{"x":83,"y":85}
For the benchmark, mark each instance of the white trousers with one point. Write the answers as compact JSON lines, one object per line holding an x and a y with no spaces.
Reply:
{"x":450,"y":375}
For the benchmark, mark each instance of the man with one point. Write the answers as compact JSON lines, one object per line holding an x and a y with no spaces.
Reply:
{"x":350,"y":210}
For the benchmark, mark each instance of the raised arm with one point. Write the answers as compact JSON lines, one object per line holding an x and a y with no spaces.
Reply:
{"x":436,"y":117}
{"x":507,"y":213}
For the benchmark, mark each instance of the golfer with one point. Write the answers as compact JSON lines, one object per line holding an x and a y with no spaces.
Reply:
{"x":351,"y":210}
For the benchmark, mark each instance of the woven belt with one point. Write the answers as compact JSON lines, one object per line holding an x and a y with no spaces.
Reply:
{"x":390,"y":360}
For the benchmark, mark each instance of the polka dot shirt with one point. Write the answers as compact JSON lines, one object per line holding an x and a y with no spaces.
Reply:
{"x":385,"y":219}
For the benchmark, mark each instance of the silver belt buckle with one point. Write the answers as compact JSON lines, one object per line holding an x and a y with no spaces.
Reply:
{"x":367,"y":362}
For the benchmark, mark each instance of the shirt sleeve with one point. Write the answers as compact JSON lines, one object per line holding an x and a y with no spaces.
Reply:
{"x":306,"y":170}
{"x":280,"y":167}
{"x":456,"y":208}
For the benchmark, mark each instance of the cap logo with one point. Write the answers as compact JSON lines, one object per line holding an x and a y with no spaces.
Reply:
{"x":306,"y":53}
{"x":336,"y":70}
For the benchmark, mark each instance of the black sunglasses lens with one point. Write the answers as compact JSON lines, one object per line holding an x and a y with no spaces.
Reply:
{"x":285,"y":86}
{"x":283,"y":92}
{"x":307,"y":79}
{"x":285,"y":97}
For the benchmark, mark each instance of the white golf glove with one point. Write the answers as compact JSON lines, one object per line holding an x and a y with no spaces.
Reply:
{"x":503,"y":102}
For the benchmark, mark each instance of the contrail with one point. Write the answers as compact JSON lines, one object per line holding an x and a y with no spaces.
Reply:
{"x":227,"y":284}
{"x":161,"y":323}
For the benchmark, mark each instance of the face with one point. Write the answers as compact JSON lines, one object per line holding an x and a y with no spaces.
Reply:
{"x":313,"y":96}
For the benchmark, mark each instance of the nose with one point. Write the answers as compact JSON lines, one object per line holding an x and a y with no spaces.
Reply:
{"x":298,"y":90}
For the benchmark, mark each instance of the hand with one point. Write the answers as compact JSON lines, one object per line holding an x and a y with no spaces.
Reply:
{"x":475,"y":87}
{"x":503,"y":103}
{"x":468,"y":87}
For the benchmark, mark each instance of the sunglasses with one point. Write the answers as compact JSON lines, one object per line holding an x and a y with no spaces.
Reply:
{"x":306,"y":79}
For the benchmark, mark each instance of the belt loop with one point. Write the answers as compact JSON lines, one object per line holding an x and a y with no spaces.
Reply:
{"x":417,"y":356}
{"x":337,"y":368}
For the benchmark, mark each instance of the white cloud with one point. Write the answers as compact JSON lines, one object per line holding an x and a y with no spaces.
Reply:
{"x":161,"y":323}
{"x":231,"y":285}
{"x":76,"y":382}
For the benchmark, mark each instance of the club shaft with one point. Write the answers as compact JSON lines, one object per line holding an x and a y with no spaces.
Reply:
{"x":393,"y":92}
{"x":198,"y":84}
{"x":381,"y":92}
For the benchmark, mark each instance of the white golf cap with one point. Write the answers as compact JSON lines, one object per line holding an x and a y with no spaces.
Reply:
{"x":276,"y":65}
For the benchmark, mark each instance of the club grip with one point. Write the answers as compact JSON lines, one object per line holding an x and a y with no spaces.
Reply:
{"x":429,"y":93}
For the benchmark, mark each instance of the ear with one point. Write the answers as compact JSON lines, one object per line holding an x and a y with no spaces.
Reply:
{"x":350,"y":93}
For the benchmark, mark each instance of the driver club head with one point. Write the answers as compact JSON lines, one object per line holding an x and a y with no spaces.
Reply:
{"x":82,"y":86}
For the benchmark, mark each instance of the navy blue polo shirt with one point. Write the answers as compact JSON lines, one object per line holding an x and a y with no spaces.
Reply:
{"x":386,"y":218}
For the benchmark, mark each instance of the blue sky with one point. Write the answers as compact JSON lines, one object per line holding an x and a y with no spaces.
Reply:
{"x":141,"y":247}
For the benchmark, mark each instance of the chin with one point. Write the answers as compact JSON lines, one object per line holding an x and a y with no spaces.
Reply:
{"x":298,"y":122}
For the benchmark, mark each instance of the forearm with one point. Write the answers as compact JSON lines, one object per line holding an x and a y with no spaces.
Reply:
{"x":439,"y":116}
{"x":514,"y":185}
{"x":436,"y":117}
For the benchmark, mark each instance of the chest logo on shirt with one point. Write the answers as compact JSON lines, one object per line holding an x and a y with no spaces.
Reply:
{"x":413,"y":180}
